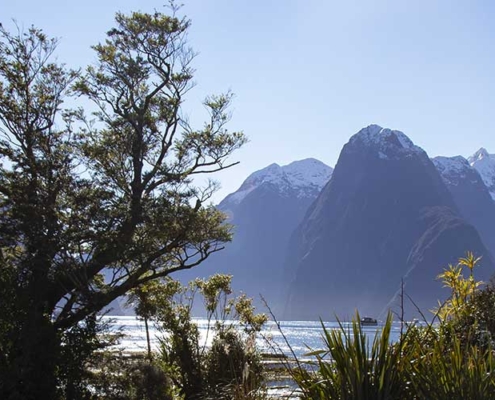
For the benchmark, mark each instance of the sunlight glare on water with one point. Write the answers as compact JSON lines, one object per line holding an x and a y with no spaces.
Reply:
{"x":302,"y":336}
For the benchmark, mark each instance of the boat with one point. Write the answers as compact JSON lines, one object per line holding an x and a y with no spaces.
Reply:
{"x":368,"y":321}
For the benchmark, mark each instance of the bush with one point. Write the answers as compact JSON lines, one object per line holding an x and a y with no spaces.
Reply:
{"x":78,"y":346}
{"x":232,"y":367}
{"x":450,"y":370}
{"x":129,"y":377}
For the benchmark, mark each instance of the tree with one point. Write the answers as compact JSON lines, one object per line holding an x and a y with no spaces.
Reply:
{"x":94,"y":207}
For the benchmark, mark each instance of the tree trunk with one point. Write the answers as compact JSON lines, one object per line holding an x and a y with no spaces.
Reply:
{"x":147,"y":337}
{"x":37,"y":346}
{"x":34,"y":367}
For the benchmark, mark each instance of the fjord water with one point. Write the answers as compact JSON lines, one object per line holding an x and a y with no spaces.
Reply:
{"x":303,"y":336}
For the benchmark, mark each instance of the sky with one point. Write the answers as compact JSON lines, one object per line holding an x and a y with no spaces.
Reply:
{"x":308,"y":74}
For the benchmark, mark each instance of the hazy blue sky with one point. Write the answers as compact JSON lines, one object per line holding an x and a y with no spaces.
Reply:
{"x":308,"y":74}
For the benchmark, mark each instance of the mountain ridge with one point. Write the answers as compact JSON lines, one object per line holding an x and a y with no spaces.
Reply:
{"x":303,"y":176}
{"x":484,"y":163}
{"x":264,"y":211}
{"x":470,"y":194}
{"x":385,"y":212}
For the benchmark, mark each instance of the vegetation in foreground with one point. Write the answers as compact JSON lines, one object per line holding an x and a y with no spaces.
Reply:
{"x":230,"y":368}
{"x":95,"y":207}
{"x":452,"y":359}
{"x":449,"y":359}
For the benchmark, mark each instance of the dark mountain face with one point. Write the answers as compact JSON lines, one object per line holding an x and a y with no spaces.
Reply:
{"x":265,"y":210}
{"x":385,"y":215}
{"x":470,"y":194}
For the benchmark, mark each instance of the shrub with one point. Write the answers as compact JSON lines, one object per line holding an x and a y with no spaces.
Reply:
{"x":448,"y":369}
{"x":232,"y":366}
{"x":352,"y":367}
{"x":117,"y":376}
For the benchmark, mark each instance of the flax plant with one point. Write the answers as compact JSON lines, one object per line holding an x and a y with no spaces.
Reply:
{"x":452,"y":359}
{"x":353,"y":367}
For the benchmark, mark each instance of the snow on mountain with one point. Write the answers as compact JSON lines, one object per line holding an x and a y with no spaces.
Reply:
{"x":389,"y":219}
{"x":485,"y":165}
{"x":389,"y":143}
{"x":303,"y":176}
{"x":452,"y":169}
{"x":470,"y":194}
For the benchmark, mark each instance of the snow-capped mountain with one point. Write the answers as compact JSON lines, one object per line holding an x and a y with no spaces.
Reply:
{"x":386,"y":143}
{"x":470,"y":195}
{"x":301,"y":178}
{"x":485,"y":165}
{"x":264,"y":212}
{"x":386,"y":215}
{"x":453,"y":169}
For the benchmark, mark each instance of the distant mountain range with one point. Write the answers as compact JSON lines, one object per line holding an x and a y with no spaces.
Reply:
{"x":319,"y":247}
{"x":264,"y":211}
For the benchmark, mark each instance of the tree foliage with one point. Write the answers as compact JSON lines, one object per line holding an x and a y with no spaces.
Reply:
{"x":94,"y":206}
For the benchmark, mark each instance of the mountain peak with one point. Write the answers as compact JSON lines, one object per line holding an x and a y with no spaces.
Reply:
{"x":304,"y":176}
{"x":484,"y":163}
{"x":386,"y":142}
{"x":479,"y":155}
{"x":308,"y":172}
{"x":388,"y":222}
